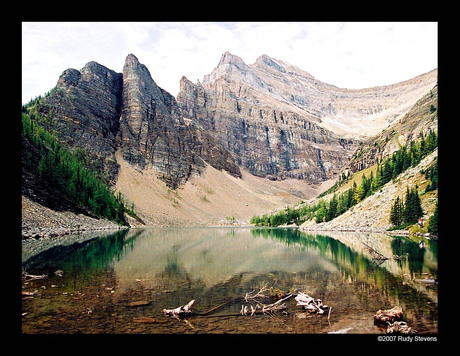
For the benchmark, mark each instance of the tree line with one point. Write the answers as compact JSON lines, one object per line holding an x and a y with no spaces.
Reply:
{"x":387,"y":170}
{"x":408,"y":212}
{"x":65,"y":171}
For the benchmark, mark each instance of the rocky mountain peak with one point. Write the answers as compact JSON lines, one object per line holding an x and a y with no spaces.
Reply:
{"x":281,"y":122}
{"x":229,"y":66}
{"x":267,"y":60}
{"x":85,"y":109}
{"x":228,"y":58}
{"x":69,"y":77}
{"x":133,"y":69}
{"x":131,"y":58}
{"x":185,"y":84}
{"x":131,"y":62}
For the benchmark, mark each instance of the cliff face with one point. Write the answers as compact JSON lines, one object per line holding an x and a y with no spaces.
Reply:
{"x":280,"y":122}
{"x":267,"y":139}
{"x":102,"y":111}
{"x":84,"y":109}
{"x":270,"y":118}
{"x":150,"y":126}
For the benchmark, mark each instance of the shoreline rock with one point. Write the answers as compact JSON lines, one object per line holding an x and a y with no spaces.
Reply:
{"x":39,"y":221}
{"x":405,"y":233}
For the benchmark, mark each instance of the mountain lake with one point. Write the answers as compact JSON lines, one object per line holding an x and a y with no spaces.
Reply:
{"x":120,"y":282}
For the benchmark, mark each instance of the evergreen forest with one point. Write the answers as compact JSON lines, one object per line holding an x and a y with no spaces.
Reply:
{"x":65,"y":170}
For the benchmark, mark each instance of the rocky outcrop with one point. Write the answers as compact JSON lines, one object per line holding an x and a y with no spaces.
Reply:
{"x":280,"y":122}
{"x":267,"y":139}
{"x":150,"y":126}
{"x":39,"y":221}
{"x":83,"y":110}
{"x":100,"y":111}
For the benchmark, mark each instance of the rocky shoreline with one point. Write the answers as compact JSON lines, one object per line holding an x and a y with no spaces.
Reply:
{"x":405,"y":233}
{"x":39,"y":221}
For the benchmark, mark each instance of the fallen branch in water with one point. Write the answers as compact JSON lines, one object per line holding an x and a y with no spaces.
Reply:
{"x":265,"y":308}
{"x":180,"y":312}
{"x":30,"y":277}
{"x":29,"y":294}
{"x":375,"y":254}
{"x":310,"y":304}
{"x":213,"y":309}
{"x":259,"y":294}
{"x":276,"y":306}
{"x":304,"y":300}
{"x":400,"y":327}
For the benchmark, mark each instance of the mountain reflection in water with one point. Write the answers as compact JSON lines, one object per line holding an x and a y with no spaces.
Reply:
{"x":168,"y":267}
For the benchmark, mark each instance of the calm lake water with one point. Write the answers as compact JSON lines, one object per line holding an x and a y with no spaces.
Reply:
{"x":121,"y":282}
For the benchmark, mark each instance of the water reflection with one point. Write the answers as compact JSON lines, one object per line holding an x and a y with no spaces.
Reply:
{"x":167,"y":267}
{"x":89,"y":256}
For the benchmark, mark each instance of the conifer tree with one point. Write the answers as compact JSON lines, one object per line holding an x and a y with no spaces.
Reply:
{"x":358,"y":194}
{"x":396,"y":213}
{"x":433,"y":222}
{"x":331,"y":212}
{"x":377,"y":181}
{"x":321,"y":214}
{"x":412,"y":208}
{"x":387,"y":172}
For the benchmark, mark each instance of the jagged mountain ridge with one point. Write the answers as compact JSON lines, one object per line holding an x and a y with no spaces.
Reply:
{"x":124,"y":120}
{"x":351,"y":113}
{"x":280,"y":122}
{"x":103,"y":111}
{"x":270,"y":118}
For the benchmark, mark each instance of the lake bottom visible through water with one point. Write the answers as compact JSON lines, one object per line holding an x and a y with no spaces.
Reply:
{"x":120,"y":283}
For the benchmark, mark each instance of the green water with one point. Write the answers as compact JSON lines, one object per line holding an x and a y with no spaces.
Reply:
{"x":160,"y":268}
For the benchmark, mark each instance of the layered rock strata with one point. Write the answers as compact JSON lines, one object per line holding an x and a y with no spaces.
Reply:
{"x":270,"y":118}
{"x":265,"y":139}
{"x":151,"y":127}
{"x":280,"y":122}
{"x":83,"y":110}
{"x":101,"y":111}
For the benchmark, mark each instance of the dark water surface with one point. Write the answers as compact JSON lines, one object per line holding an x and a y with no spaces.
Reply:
{"x":121,"y":282}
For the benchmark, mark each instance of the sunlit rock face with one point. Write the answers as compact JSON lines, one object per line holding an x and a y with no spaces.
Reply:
{"x":280,"y":122}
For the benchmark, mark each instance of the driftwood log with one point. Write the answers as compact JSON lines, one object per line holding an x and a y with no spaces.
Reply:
{"x":265,"y":308}
{"x":375,"y":254}
{"x":182,"y":311}
{"x":310,"y":304}
{"x":30,"y":277}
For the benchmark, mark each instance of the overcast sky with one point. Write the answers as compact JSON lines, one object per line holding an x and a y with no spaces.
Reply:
{"x":348,"y":55}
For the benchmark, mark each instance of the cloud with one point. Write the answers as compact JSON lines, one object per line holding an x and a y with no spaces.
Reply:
{"x":353,"y":55}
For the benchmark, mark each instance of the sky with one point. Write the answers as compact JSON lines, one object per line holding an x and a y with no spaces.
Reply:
{"x":346,"y":54}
